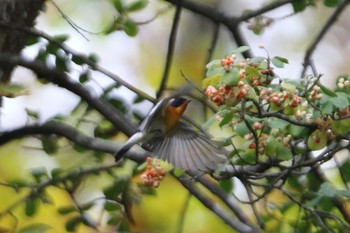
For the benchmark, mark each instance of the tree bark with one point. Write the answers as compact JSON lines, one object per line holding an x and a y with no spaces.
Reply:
{"x":19,"y":13}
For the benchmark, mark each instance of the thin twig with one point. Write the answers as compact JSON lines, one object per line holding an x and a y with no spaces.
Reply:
{"x":69,"y":21}
{"x":54,"y":181}
{"x":213,"y":43}
{"x":190,"y":185}
{"x":72,"y":134}
{"x":171,"y":48}
{"x":183,"y":211}
{"x":215,"y":189}
{"x":62,"y":79}
{"x":93,"y":65}
{"x":312,"y":47}
{"x":264,"y":9}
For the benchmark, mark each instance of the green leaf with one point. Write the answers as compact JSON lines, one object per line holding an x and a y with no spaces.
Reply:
{"x":118,"y":103}
{"x":66,"y":210}
{"x":87,"y":206}
{"x":283,"y":153}
{"x":289,"y":87}
{"x":327,"y":190}
{"x":329,"y":104}
{"x":241,"y":129}
{"x":279,"y":61}
{"x":231,"y":78}
{"x":61,"y":38}
{"x":119,"y":6}
{"x":72,"y":224}
{"x":227,"y":118}
{"x":119,"y":186}
{"x":17,"y":184}
{"x":52,"y":48}
{"x":42,"y":55}
{"x":296,"y":131}
{"x":12,"y":90}
{"x":50,"y":144}
{"x":271,"y":145}
{"x":112,"y":206}
{"x":79,"y":148}
{"x":331,"y":3}
{"x":275,"y":123}
{"x":240,"y":49}
{"x":341,"y":101}
{"x":248,"y":157}
{"x":138,"y":99}
{"x":33,"y":114}
{"x":213,"y":64}
{"x":130,"y":27}
{"x":103,"y":129}
{"x":84,"y":77}
{"x":93,"y":57}
{"x":87,"y":220}
{"x":61,"y":63}
{"x":344,"y":170}
{"x":344,"y":193}
{"x":209,"y":122}
{"x":211,"y":81}
{"x":35,"y":228}
{"x":314,"y":201}
{"x":39,"y":173}
{"x":276,"y":149}
{"x":327,"y":91}
{"x":256,"y":60}
{"x":252,"y":71}
{"x":299,"y":5}
{"x":31,"y":207}
{"x":226,"y":185}
{"x":56,"y":172}
{"x":32,"y":40}
{"x":317,"y":140}
{"x":138,"y":5}
{"x":78,"y":60}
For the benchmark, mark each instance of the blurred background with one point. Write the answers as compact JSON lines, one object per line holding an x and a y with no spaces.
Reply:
{"x":140,"y":61}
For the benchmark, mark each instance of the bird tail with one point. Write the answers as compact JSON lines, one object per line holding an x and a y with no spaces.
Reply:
{"x":136,"y":138}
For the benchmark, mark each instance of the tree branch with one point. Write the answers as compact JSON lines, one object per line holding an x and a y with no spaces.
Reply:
{"x":190,"y":185}
{"x":312,"y":47}
{"x":80,"y":56}
{"x":20,"y":12}
{"x":225,"y":197}
{"x":232,"y":23}
{"x":63,"y":80}
{"x":171,"y":47}
{"x":69,"y":132}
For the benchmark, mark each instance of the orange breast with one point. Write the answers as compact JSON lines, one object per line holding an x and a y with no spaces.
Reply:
{"x":172,"y":116}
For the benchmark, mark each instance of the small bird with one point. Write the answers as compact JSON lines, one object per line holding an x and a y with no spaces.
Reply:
{"x":174,"y":141}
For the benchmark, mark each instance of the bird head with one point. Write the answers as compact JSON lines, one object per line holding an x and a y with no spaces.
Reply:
{"x":174,"y":110}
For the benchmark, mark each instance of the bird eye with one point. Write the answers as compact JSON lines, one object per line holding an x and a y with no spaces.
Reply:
{"x":177,"y":101}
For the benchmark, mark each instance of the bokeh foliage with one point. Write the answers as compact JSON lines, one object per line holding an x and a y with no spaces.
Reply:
{"x":280,"y":133}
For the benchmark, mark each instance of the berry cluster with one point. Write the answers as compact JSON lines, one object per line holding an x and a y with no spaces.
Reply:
{"x":281,"y":137}
{"x":315,"y":93}
{"x":261,"y":140}
{"x":343,"y":83}
{"x":227,"y":62}
{"x":226,"y":94}
{"x":280,"y":99}
{"x":344,"y":112}
{"x":153,"y":174}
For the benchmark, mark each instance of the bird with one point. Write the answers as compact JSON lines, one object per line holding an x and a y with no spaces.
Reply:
{"x":163,"y":133}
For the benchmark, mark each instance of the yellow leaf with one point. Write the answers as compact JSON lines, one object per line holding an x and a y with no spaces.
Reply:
{"x":211,"y":81}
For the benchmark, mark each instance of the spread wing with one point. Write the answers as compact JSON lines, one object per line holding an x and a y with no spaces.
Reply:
{"x":187,"y":149}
